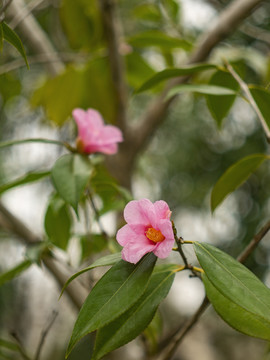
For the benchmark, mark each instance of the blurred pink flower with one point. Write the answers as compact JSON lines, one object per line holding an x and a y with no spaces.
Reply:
{"x":94,"y":135}
{"x":148,"y":229}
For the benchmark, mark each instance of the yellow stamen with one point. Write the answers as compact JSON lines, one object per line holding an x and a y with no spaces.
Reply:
{"x":154,"y":235}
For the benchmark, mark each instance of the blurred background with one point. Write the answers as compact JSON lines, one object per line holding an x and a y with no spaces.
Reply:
{"x":70,"y":66}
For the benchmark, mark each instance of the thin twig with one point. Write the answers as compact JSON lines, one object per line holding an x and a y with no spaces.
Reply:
{"x":95,"y":209}
{"x":168,"y":352}
{"x":252,"y":102}
{"x":44,"y":334}
{"x":20,"y":345}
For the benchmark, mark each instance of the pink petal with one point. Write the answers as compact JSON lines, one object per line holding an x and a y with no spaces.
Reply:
{"x":111,"y":134}
{"x":164,"y":248}
{"x":162,"y":209}
{"x":95,"y":119}
{"x":125,"y":234}
{"x":165,"y":226}
{"x":140,"y":212}
{"x":134,"y":251}
{"x":105,"y":149}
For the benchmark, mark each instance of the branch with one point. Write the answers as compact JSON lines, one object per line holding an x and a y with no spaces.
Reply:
{"x":44,"y":334}
{"x":3,"y":9}
{"x":168,"y":352}
{"x":12,"y":224}
{"x":36,"y":37}
{"x":111,"y":30}
{"x":252,"y":102}
{"x":225,"y":24}
{"x":26,"y":11}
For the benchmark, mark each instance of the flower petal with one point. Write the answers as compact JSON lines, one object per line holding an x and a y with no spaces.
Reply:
{"x":125,"y":234}
{"x":140,"y":212}
{"x":162,"y":209}
{"x":95,"y":119}
{"x":111,"y":134}
{"x":165,"y":226}
{"x":164,"y":248}
{"x":134,"y":251}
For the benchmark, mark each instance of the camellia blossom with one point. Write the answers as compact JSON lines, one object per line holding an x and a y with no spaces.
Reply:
{"x":93,"y":135}
{"x":148,"y":229}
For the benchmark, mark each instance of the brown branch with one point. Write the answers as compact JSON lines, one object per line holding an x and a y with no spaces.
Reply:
{"x":225,"y":24}
{"x":112,"y":34}
{"x":3,"y":9}
{"x":252,"y":102}
{"x":168,"y":352}
{"x":35,"y":36}
{"x":12,"y":224}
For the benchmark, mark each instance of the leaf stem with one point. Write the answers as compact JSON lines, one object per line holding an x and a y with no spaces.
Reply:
{"x":252,"y":102}
{"x":38,"y":140}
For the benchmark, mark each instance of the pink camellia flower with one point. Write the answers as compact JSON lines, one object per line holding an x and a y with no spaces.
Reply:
{"x":94,"y":135}
{"x":148,"y":229}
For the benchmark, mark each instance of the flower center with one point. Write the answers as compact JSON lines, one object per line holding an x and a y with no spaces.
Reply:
{"x":154,"y":235}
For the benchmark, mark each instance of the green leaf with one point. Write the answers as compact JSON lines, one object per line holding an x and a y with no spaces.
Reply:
{"x":9,"y":345}
{"x":138,"y":70}
{"x":200,"y":89}
{"x":131,"y":323}
{"x":14,"y":272}
{"x":262,"y":99}
{"x":94,"y":88}
{"x":158,"y":39}
{"x":220,"y":106}
{"x":115,"y":293}
{"x":172,"y":73}
{"x":104,"y":261}
{"x":87,"y":33}
{"x":13,"y":39}
{"x":70,"y":175}
{"x":57,"y":222}
{"x":4,"y":144}
{"x":234,"y":315}
{"x":238,"y":285}
{"x":25,"y":179}
{"x":91,"y":244}
{"x":234,"y":176}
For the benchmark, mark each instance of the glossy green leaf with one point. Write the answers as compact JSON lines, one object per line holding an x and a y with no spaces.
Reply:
{"x":57,"y":222}
{"x":234,"y":176}
{"x":131,"y":323}
{"x":200,"y":89}
{"x":25,"y":179}
{"x":221,"y":105}
{"x":262,"y":99}
{"x":104,"y":261}
{"x":70,"y":175}
{"x":172,"y":73}
{"x":238,"y":285}
{"x":236,"y":316}
{"x":114,"y":293}
{"x":13,"y":39}
{"x":14,"y":272}
{"x":158,"y":39}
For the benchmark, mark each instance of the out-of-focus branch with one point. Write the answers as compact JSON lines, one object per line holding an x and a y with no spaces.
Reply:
{"x":26,"y":11}
{"x":112,"y":33}
{"x":35,"y":36}
{"x":3,"y":9}
{"x":225,"y":24}
{"x":176,"y":339}
{"x":12,"y":224}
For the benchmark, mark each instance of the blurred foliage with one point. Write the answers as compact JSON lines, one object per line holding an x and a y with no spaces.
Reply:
{"x":201,"y":137}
